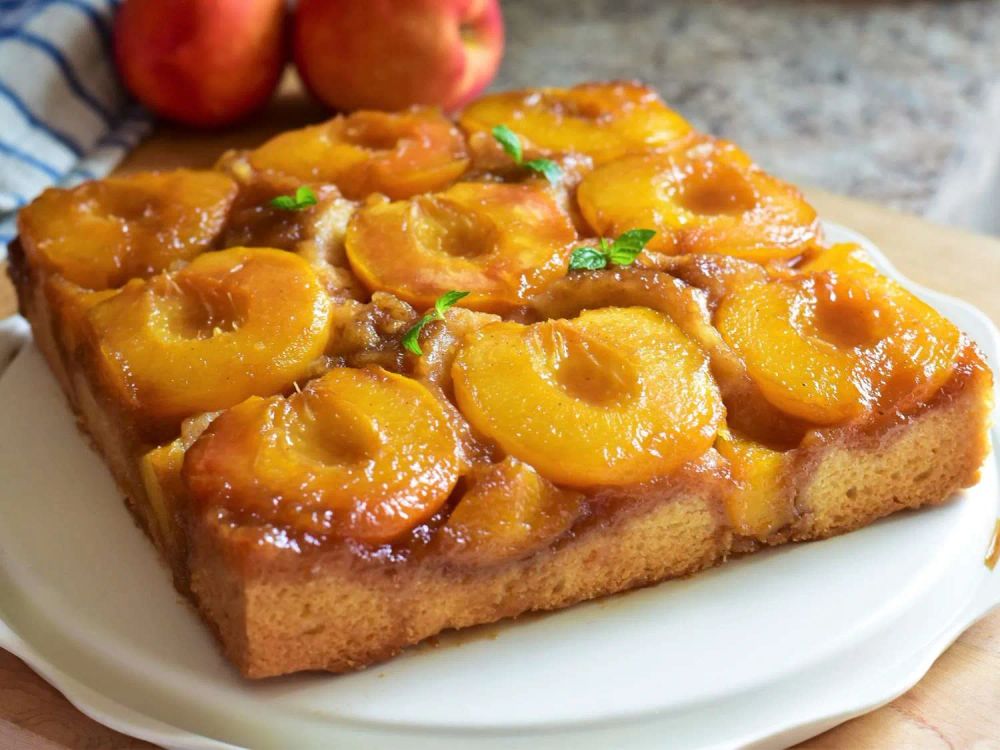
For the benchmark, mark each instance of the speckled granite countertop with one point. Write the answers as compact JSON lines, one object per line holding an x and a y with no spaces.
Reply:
{"x":896,"y":102}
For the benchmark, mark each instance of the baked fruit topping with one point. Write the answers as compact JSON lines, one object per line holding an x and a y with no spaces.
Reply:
{"x":704,"y":196}
{"x":101,"y":234}
{"x":615,"y":396}
{"x":763,"y":503}
{"x":833,"y":345}
{"x":233,"y":323}
{"x":501,"y":243}
{"x":507,"y":512}
{"x":398,"y":154}
{"x":359,"y":453}
{"x":600,"y":120}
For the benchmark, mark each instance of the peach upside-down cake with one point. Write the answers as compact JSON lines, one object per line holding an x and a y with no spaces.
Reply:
{"x":396,"y":373}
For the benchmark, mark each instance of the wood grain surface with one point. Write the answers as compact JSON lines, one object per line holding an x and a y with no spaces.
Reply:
{"x":956,"y":705}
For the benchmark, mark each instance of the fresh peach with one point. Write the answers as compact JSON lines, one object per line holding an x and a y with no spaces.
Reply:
{"x":706,"y":196}
{"x":101,"y":234}
{"x":502,"y":243}
{"x":615,"y":396}
{"x":166,"y":347}
{"x":380,"y":54}
{"x":206,"y":63}
{"x":603,"y":121}
{"x":399,"y":154}
{"x":362,"y":453}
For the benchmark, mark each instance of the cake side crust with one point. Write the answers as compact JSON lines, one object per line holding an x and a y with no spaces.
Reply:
{"x":338,"y":617}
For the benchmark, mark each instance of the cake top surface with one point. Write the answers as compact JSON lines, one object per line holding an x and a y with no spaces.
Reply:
{"x":388,"y":320}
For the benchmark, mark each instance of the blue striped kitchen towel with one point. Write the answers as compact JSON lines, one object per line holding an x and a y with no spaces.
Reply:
{"x":64,"y":116}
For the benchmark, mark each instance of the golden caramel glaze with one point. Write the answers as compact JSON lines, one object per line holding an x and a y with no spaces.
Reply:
{"x":233,"y":323}
{"x":838,"y":342}
{"x":602,"y":121}
{"x":399,"y":154}
{"x":502,"y":243}
{"x":103,"y":233}
{"x":507,"y":512}
{"x":704,"y":196}
{"x":615,"y":396}
{"x":372,"y":454}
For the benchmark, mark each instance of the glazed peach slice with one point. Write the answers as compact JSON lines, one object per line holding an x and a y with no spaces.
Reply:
{"x":830,"y":346}
{"x":103,"y":233}
{"x":502,"y":243}
{"x":358,"y":453}
{"x":601,"y":120}
{"x":160,"y":470}
{"x":396,"y":153}
{"x":704,"y":197}
{"x":508,"y":512}
{"x":763,"y":503}
{"x":233,"y":323}
{"x":615,"y":396}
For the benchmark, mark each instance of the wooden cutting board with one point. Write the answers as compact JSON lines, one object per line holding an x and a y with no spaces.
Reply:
{"x":957,"y":705}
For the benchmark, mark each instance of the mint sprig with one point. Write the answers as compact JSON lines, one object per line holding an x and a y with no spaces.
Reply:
{"x":508,"y":139}
{"x":411,"y":339}
{"x":587,"y":259}
{"x":622,"y":252}
{"x":303,"y":198}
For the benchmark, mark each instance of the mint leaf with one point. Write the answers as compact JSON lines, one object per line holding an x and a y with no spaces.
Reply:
{"x":411,"y":339}
{"x":446,"y":300}
{"x":546,"y":167}
{"x":622,"y":252}
{"x":627,"y":247}
{"x":587,"y":259}
{"x":303,"y":197}
{"x":512,"y":145}
{"x":284,"y":202}
{"x":510,"y":142}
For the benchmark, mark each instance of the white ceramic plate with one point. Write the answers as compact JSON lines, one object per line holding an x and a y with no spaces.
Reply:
{"x":764,"y":651}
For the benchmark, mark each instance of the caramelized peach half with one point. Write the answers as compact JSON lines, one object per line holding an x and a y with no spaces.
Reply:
{"x":507,"y":512}
{"x":601,"y":120}
{"x":502,"y":243}
{"x":830,"y":346}
{"x":708,"y":197}
{"x":103,"y":233}
{"x":233,"y":323}
{"x":615,"y":396}
{"x":763,"y":504}
{"x":396,"y":153}
{"x":631,"y":286}
{"x":360,"y":453}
